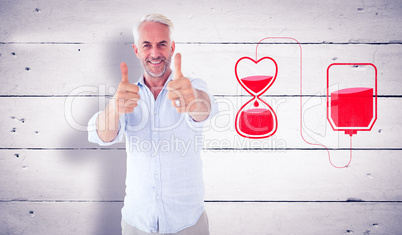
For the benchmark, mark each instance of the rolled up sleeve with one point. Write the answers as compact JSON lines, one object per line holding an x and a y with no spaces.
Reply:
{"x":93,"y":136}
{"x":202,"y":86}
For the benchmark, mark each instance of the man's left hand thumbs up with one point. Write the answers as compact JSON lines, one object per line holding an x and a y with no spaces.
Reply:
{"x":177,"y":67}
{"x":181,"y":92}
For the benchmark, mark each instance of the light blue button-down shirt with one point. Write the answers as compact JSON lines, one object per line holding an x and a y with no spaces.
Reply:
{"x":164,"y":184}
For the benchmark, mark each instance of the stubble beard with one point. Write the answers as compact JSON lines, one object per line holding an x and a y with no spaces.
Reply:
{"x":167,"y":62}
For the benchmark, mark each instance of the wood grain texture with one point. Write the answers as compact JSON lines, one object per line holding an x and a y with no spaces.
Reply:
{"x":60,"y":218}
{"x":224,"y":218}
{"x":58,"y":62}
{"x":59,"y":122}
{"x":242,"y":175}
{"x":93,"y":69}
{"x":99,"y":21}
{"x":304,"y":218}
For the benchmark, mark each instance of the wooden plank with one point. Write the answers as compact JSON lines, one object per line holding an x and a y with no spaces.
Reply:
{"x":60,"y":218}
{"x":304,"y":218}
{"x":247,"y":175}
{"x":100,"y":21}
{"x":64,"y":69}
{"x":301,"y":175}
{"x":316,"y":129}
{"x":224,"y":218}
{"x":58,"y":60}
{"x":62,"y":175}
{"x":61,"y":122}
{"x":42,"y":122}
{"x":93,"y":69}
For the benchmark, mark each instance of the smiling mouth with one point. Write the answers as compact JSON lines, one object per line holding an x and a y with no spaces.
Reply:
{"x":155,"y":62}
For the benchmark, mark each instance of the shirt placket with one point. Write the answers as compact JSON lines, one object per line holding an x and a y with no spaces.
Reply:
{"x":156,"y":163}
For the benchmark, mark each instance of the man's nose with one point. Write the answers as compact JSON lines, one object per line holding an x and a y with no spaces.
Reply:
{"x":155,"y":51}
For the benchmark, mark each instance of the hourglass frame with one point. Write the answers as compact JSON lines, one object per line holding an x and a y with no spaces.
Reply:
{"x":256,"y":98}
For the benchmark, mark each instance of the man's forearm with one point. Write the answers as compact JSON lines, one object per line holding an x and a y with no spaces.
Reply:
{"x":203,"y":107}
{"x":107,"y":124}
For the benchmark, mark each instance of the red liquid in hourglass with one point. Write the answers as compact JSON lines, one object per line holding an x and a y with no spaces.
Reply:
{"x":256,"y":83}
{"x":256,"y":121}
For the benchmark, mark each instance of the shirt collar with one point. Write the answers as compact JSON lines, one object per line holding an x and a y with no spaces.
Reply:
{"x":141,"y":81}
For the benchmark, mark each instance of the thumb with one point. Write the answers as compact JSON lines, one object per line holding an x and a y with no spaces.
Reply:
{"x":177,"y":66}
{"x":124,"y":72}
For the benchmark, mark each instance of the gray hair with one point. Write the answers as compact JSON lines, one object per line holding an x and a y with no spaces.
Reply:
{"x":157,"y":18}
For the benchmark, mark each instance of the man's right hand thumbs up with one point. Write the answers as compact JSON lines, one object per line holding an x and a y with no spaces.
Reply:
{"x":126,"y":96}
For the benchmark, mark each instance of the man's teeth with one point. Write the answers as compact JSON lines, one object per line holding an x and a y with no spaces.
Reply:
{"x":155,"y":62}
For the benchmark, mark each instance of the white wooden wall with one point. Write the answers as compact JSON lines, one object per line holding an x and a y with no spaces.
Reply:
{"x":59,"y":59}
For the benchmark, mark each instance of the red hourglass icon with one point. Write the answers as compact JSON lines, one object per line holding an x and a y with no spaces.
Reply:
{"x":256,"y":119}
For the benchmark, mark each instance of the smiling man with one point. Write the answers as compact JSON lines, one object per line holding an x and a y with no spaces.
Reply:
{"x":161,"y":116}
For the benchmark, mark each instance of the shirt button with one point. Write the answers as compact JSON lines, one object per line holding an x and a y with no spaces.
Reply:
{"x":156,"y":176}
{"x":157,"y":197}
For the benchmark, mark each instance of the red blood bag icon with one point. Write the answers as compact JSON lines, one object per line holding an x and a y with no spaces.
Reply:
{"x":352,"y":109}
{"x":256,"y":119}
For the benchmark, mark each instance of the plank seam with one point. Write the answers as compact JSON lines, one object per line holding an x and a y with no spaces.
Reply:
{"x":219,"y":149}
{"x":217,"y":95}
{"x":206,"y":201}
{"x":396,"y":42}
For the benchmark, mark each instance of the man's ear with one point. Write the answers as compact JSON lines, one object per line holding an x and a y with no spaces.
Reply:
{"x":172,"y":47}
{"x":136,"y":51}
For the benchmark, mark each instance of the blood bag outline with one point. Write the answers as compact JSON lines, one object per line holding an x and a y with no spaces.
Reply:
{"x":254,"y":123}
{"x":348,"y":94}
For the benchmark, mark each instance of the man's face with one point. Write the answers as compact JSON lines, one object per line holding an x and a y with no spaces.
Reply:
{"x":154,"y":49}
